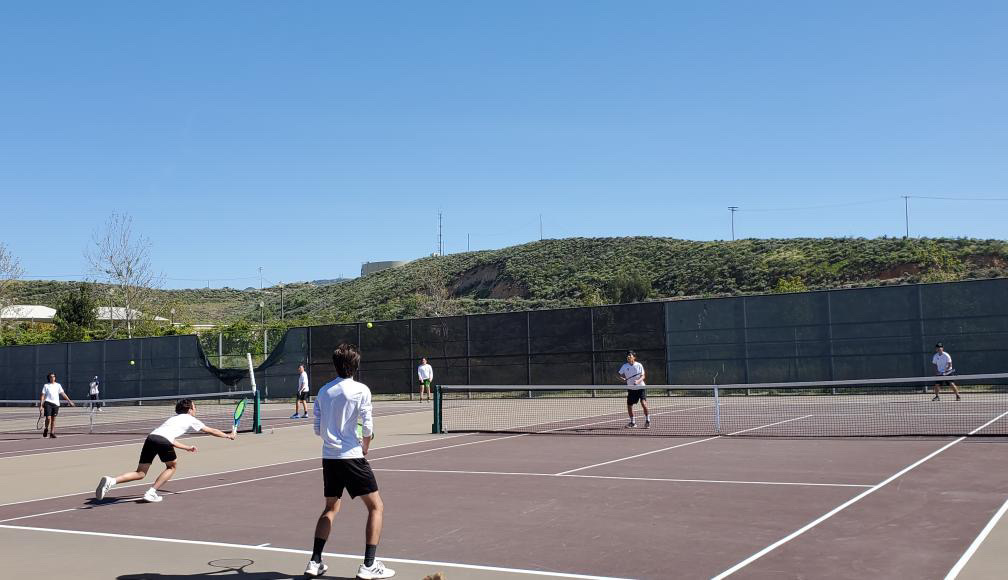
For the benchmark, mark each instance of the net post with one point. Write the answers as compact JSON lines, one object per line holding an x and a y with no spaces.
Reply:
{"x":256,"y":416}
{"x":717,"y":410}
{"x":436,"y":427}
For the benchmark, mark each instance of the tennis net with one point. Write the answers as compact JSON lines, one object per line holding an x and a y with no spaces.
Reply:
{"x":862,"y":408}
{"x":136,"y":415}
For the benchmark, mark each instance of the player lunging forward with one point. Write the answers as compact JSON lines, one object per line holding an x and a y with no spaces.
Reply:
{"x":633,"y":373}
{"x":162,"y":443}
{"x":339,"y":406}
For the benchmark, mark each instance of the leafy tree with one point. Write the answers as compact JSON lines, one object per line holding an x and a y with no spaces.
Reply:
{"x":626,"y":288}
{"x":790,"y":284}
{"x":75,"y":315}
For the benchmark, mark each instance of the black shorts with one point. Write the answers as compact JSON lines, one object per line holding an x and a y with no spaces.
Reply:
{"x":354,"y":475}
{"x":49,"y":409}
{"x":158,"y":446}
{"x":303,"y":396}
{"x":634,"y":396}
{"x":944,"y":383}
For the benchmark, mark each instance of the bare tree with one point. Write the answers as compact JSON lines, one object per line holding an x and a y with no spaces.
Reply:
{"x":437,"y":298}
{"x":10,"y":270}
{"x":122,"y":259}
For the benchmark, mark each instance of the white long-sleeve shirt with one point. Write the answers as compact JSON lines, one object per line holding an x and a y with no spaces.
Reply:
{"x":339,"y":406}
{"x":425,"y":372}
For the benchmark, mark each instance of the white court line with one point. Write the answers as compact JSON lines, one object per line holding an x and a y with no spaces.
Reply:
{"x":678,"y":446}
{"x":845,"y":505}
{"x":671,"y":480}
{"x":264,"y":548}
{"x":440,"y":438}
{"x":47,"y":449}
{"x":954,"y":572}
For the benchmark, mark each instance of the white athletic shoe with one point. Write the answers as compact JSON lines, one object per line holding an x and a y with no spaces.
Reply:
{"x":376,"y":570}
{"x":294,"y":416}
{"x":630,"y":425}
{"x":647,"y":423}
{"x":315,"y":569}
{"x":104,"y":485}
{"x":152,"y":496}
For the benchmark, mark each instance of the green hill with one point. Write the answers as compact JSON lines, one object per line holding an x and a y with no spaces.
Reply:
{"x":587,"y":271}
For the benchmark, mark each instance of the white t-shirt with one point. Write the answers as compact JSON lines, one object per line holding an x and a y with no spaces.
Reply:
{"x":425,"y":372}
{"x":943,"y":361}
{"x":633,"y":373}
{"x":303,"y":382}
{"x":94,"y":387}
{"x":52,"y":393}
{"x":177,"y":426}
{"x":338,"y":406}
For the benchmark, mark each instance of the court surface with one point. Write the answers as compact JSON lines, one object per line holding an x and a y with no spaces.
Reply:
{"x":516,"y":506}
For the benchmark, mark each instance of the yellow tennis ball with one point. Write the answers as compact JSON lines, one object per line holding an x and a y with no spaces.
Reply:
{"x":132,"y":362}
{"x":369,"y":325}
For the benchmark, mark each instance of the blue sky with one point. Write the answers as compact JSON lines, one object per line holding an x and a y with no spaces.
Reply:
{"x":308,"y":137}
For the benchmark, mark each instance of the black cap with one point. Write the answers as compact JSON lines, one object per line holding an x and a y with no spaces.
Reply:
{"x":939,"y":345}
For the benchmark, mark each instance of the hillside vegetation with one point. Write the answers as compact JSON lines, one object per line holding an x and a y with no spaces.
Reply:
{"x":585,"y":271}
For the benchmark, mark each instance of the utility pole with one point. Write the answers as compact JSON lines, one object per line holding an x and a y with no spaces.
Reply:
{"x":733,"y":209}
{"x":540,"y":227}
{"x":281,"y":303}
{"x":467,"y":242}
{"x":906,"y":215}
{"x":260,"y":278}
{"x":440,"y":239}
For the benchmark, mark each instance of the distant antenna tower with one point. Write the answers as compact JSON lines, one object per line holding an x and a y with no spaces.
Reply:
{"x":440,"y":238}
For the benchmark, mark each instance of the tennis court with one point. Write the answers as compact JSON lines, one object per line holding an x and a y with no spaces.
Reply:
{"x":519,"y":505}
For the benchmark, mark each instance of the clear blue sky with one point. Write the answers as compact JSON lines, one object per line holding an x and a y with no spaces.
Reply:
{"x":308,"y":137}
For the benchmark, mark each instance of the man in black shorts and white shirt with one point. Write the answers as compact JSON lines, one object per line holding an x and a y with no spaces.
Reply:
{"x":942,"y":362}
{"x":302,"y":393}
{"x":339,"y":406}
{"x":93,"y":393}
{"x":633,"y":373}
{"x":50,"y":404}
{"x":162,"y":443}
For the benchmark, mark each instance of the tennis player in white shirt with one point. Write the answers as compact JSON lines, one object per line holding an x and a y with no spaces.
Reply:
{"x":50,"y":404}
{"x":633,"y":373}
{"x":942,"y":362}
{"x":426,"y":375}
{"x":302,"y":393}
{"x":340,"y":405}
{"x":162,"y":443}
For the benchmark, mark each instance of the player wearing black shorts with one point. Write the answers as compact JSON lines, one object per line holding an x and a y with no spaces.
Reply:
{"x":340,"y":405}
{"x":161,"y":443}
{"x":633,"y":373}
{"x":302,"y":393}
{"x":50,"y":403}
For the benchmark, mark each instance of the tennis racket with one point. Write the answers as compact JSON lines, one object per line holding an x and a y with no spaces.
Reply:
{"x":39,"y":422}
{"x":360,"y":433}
{"x":949,"y":371}
{"x":238,"y":412}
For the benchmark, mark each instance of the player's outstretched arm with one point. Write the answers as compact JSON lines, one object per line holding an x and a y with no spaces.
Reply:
{"x":218,"y":433}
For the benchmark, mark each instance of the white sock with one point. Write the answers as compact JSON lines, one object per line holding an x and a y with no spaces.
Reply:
{"x":112,"y":481}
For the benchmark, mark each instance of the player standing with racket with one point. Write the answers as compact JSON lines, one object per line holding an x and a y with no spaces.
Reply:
{"x":942,"y":362}
{"x":302,"y":393}
{"x":161,"y":443}
{"x":633,"y":373}
{"x":426,"y":374}
{"x":339,"y":406}
{"x":49,"y":404}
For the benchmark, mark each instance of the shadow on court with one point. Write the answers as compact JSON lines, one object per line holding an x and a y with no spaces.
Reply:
{"x":223,"y":568}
